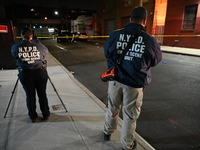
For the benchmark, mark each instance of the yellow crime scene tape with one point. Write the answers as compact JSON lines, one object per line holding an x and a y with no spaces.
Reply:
{"x":68,"y":36}
{"x":106,"y":36}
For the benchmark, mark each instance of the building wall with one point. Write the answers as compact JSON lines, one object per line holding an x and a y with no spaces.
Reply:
{"x":160,"y":9}
{"x":173,"y":25}
{"x":115,"y":14}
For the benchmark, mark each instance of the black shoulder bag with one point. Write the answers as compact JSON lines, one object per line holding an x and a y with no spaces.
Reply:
{"x":111,"y":73}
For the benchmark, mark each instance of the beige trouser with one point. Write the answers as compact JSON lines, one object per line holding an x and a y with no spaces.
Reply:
{"x":131,"y":100}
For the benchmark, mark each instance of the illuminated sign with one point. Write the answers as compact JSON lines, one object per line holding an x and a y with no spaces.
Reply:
{"x":3,"y":29}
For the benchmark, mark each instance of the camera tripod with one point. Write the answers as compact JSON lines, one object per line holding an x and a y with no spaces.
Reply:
{"x":14,"y":92}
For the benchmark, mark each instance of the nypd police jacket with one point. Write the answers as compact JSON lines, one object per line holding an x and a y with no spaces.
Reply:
{"x":29,"y":55}
{"x":144,"y":53}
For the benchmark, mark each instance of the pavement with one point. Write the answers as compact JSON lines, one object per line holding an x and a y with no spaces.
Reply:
{"x":78,"y":127}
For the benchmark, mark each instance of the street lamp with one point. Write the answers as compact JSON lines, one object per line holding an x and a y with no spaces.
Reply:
{"x":56,"y":12}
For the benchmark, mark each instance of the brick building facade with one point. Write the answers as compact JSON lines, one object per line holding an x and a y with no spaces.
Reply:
{"x":183,"y":19}
{"x":112,"y":15}
{"x":173,"y":23}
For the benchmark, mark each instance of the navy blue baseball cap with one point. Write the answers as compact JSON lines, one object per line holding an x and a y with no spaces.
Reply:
{"x":26,"y":31}
{"x":139,"y":12}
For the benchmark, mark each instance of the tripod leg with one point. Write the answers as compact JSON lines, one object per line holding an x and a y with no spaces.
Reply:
{"x":58,"y":95}
{"x":11,"y":97}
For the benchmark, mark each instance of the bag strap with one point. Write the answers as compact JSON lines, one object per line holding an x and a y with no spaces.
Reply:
{"x":127,"y":47}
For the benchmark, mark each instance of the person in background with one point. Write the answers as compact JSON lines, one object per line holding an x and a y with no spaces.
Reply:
{"x":133,"y":75}
{"x":30,"y":58}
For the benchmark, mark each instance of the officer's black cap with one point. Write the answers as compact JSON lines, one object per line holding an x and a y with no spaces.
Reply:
{"x":139,"y":12}
{"x":26,"y":31}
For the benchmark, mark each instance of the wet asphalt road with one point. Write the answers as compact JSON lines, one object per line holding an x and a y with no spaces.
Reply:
{"x":170,"y":117}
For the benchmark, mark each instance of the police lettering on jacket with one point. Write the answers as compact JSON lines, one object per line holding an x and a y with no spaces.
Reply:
{"x":29,"y":54}
{"x":136,"y":50}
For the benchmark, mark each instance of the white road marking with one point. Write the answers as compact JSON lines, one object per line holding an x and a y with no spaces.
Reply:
{"x":62,"y":48}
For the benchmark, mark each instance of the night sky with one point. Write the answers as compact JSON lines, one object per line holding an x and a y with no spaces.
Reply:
{"x":69,"y":4}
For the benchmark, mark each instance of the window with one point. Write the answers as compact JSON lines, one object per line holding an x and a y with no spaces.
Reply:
{"x":190,"y":17}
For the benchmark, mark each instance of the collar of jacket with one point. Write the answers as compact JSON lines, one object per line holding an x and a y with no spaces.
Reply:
{"x":134,"y":26}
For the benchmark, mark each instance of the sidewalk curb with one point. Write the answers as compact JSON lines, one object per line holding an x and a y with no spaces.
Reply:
{"x":178,"y":53}
{"x":139,"y":139}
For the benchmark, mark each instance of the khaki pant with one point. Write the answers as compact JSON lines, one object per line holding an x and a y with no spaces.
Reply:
{"x":131,"y":100}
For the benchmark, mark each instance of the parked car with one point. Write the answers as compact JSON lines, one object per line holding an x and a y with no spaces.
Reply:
{"x":65,"y":36}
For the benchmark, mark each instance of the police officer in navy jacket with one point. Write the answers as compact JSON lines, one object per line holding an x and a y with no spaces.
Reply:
{"x":30,"y":58}
{"x":133,"y":75}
